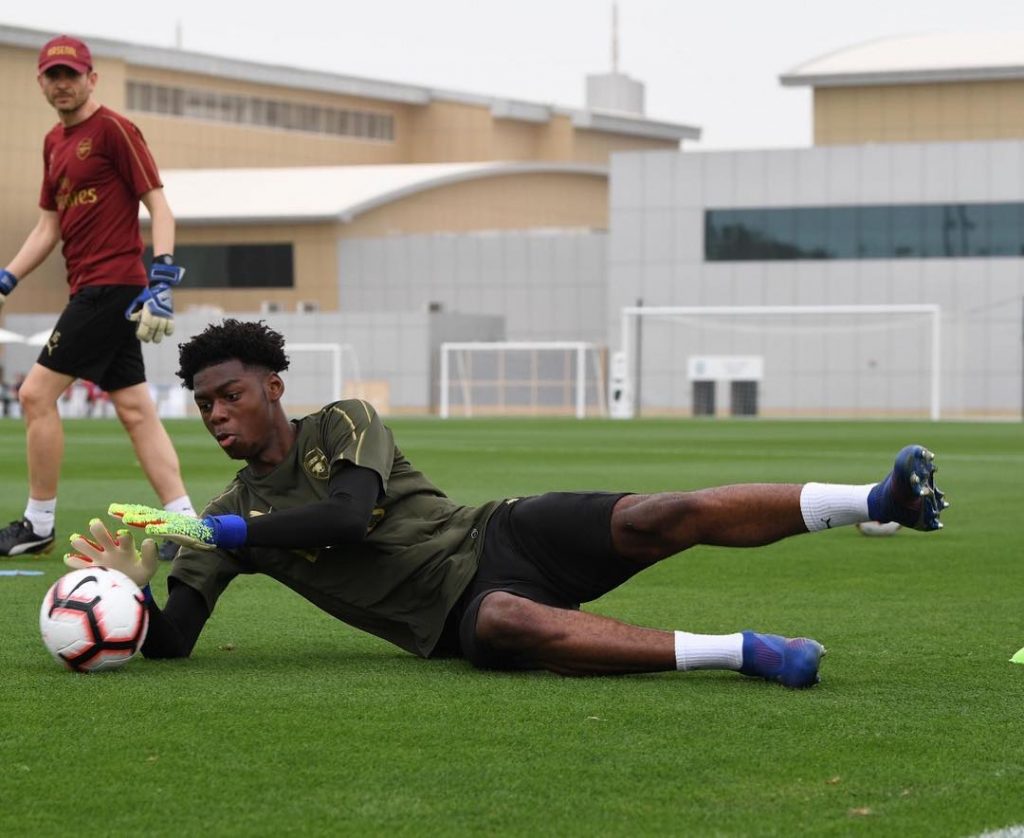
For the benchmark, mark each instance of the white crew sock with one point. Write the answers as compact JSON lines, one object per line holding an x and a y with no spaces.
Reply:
{"x":182,"y":505}
{"x":42,"y":515}
{"x":708,"y":651}
{"x":828,"y":505}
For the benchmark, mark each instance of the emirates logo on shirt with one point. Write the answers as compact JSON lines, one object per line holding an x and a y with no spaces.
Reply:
{"x":84,"y":148}
{"x":67,"y":196}
{"x":315,"y":462}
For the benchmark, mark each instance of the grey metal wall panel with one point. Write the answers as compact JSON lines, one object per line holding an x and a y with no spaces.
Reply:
{"x":884,"y":367}
{"x":535,"y":280}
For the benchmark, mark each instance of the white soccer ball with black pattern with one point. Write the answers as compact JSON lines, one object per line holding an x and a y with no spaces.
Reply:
{"x":93,"y":619}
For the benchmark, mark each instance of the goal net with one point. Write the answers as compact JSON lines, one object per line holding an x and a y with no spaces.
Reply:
{"x":522,"y":378}
{"x":842,"y":361}
{"x":327,"y":372}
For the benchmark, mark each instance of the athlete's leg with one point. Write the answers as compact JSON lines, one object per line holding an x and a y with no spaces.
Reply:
{"x":648,"y":528}
{"x":44,"y":433}
{"x":137,"y":412}
{"x":44,"y":449}
{"x":569,"y":642}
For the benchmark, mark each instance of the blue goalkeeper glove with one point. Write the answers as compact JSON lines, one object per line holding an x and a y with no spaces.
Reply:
{"x":7,"y":283}
{"x":209,"y":533}
{"x":153,"y":309}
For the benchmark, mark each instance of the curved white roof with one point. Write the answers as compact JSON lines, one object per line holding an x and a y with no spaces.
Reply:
{"x":321,"y":193}
{"x":945,"y":56}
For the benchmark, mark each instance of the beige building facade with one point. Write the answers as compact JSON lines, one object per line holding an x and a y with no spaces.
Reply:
{"x":205,"y":112}
{"x":947,"y":87}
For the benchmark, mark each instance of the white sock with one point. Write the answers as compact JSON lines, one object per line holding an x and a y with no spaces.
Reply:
{"x":182,"y":505}
{"x":42,"y":515}
{"x":708,"y":651}
{"x":828,"y":505}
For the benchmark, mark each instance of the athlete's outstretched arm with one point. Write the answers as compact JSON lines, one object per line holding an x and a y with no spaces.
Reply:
{"x":174,"y":630}
{"x":343,"y":517}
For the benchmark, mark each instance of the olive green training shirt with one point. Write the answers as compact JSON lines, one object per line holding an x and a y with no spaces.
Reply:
{"x":421,"y":550}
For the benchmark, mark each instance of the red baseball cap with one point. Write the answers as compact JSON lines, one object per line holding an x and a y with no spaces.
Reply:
{"x":65,"y":51}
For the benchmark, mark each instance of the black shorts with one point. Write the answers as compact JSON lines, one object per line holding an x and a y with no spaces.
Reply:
{"x":555,"y":549}
{"x":93,"y":339}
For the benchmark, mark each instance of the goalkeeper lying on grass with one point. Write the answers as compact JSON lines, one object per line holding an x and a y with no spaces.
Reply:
{"x":329,"y":506}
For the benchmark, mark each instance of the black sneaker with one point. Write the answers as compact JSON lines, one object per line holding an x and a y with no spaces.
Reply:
{"x":167,"y":551}
{"x":19,"y":539}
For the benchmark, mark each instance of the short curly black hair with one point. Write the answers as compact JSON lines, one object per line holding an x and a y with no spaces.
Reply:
{"x":255,"y":344}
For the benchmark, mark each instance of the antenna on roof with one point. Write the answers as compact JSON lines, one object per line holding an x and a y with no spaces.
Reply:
{"x":615,"y":91}
{"x":615,"y":37}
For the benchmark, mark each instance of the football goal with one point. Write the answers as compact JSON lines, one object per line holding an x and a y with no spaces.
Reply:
{"x":522,"y":378}
{"x":329,"y":372}
{"x":789,"y":360}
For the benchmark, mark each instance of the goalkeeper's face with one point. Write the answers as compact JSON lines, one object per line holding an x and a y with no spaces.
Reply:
{"x":241,"y":408}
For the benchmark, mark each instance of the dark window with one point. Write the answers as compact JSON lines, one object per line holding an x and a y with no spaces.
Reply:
{"x":234,"y":265}
{"x":841,"y":223}
{"x":1004,"y":230}
{"x":908,"y":232}
{"x":743,"y":398}
{"x":251,"y":110}
{"x":899,"y":231}
{"x":703,"y":398}
{"x":811,"y":233}
{"x":875,"y":227}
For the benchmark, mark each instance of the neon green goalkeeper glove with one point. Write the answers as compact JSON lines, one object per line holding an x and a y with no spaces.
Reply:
{"x":104,"y":550}
{"x":209,"y":533}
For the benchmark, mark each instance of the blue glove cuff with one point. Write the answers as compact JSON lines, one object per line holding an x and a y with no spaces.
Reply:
{"x":160,"y":272}
{"x":229,"y":531}
{"x":147,"y":595}
{"x":7,"y":281}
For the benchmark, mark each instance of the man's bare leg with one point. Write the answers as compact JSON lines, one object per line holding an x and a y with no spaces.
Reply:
{"x":649,"y":528}
{"x":569,"y":642}
{"x":44,"y":451}
{"x":153,"y":447}
{"x":44,"y":432}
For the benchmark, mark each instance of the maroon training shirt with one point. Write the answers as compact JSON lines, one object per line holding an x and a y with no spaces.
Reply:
{"x":94,"y":174}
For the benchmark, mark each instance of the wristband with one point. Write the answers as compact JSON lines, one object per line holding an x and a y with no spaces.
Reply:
{"x":229,"y":531}
{"x":7,"y":281}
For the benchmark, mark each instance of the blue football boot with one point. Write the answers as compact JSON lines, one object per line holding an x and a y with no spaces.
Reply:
{"x":791,"y":661}
{"x":908,"y":495}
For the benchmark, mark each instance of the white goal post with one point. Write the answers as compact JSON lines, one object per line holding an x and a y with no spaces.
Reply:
{"x":322,"y":380}
{"x":521,"y":377}
{"x":632,"y":316}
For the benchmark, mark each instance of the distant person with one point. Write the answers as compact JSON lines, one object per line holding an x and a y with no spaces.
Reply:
{"x":6,"y":395}
{"x":96,"y":169}
{"x":329,"y":506}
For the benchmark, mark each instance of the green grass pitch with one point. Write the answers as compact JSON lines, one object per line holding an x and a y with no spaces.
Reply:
{"x":285,"y":721}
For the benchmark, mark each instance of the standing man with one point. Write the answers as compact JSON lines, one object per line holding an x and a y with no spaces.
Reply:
{"x":96,"y":169}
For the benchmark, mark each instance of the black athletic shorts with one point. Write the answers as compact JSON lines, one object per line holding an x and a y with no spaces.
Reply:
{"x":555,"y":549}
{"x":93,"y":339}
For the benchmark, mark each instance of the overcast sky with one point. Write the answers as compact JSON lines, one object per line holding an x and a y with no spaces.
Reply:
{"x":714,"y":64}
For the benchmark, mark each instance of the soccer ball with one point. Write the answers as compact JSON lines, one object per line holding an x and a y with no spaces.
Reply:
{"x":93,"y":619}
{"x":878,"y":528}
